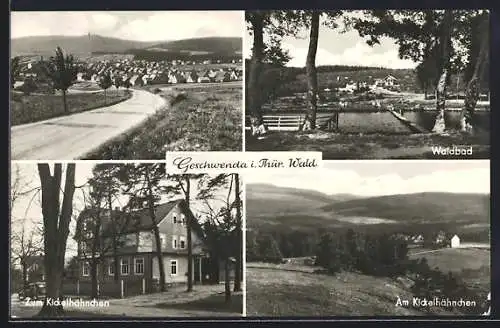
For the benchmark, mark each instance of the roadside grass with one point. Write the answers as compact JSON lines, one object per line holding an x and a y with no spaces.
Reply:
{"x":213,"y":303}
{"x":371,"y":146}
{"x":38,"y":107}
{"x":193,"y":121}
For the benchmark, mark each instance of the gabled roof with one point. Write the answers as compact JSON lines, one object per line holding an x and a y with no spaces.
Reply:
{"x":136,"y":221}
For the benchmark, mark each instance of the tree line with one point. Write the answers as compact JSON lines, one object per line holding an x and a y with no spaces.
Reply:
{"x":440,"y":41}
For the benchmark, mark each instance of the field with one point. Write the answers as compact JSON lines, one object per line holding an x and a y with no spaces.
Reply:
{"x":38,"y":107}
{"x":370,"y":146}
{"x":454,"y":259}
{"x":200,"y":119}
{"x":296,"y":290}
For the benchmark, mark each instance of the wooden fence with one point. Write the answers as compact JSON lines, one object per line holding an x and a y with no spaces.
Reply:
{"x":293,"y":122}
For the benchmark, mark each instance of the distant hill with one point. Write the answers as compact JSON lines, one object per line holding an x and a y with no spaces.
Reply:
{"x":298,"y":209}
{"x":427,"y":207}
{"x":265,"y":199}
{"x":45,"y":45}
{"x":203,"y":45}
{"x":95,"y":44}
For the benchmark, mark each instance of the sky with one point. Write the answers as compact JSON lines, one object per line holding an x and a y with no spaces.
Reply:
{"x":337,"y":48}
{"x":26,"y":211}
{"x":377,"y":178}
{"x":138,"y":25}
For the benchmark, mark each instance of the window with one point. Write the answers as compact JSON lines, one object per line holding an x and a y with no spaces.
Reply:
{"x":173,"y":267}
{"x":163,"y":240}
{"x":183,"y":219}
{"x":183,"y":242}
{"x":139,"y":265}
{"x":174,"y":218}
{"x":111,"y":268}
{"x":124,"y":267}
{"x":85,"y":269}
{"x":174,"y":242}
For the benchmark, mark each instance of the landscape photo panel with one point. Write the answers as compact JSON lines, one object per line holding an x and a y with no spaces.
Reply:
{"x":370,"y":238}
{"x":129,"y":242}
{"x":366,"y":84}
{"x":125,"y":85}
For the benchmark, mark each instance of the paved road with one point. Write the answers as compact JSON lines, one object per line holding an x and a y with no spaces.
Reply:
{"x":71,"y":137}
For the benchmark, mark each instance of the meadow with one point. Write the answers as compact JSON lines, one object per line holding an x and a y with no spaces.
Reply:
{"x":295,"y":289}
{"x":38,"y":107}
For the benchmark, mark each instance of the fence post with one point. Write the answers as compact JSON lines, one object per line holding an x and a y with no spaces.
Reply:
{"x":121,"y":289}
{"x":78,"y":287}
{"x":143,"y":286}
{"x":279,"y":122}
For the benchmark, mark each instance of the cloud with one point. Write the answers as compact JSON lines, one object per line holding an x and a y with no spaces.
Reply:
{"x":182,"y":25}
{"x":359,"y":55}
{"x":103,"y":21}
{"x":143,"y":26}
{"x":331,"y":181}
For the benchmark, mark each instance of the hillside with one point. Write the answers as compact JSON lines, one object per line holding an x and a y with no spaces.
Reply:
{"x":271,"y":208}
{"x":84,"y":45}
{"x":45,"y":45}
{"x":268,"y":199}
{"x":203,"y":45}
{"x":428,"y":207}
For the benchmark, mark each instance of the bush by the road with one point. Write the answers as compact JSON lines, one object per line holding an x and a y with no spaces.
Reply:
{"x":38,"y":107}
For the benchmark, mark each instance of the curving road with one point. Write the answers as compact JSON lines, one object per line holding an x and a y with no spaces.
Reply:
{"x":71,"y":137}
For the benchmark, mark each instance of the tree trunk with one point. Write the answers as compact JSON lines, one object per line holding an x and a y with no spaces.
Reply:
{"x":312,"y":78}
{"x":24,"y":267}
{"x":227,"y":285}
{"x":445,"y":41}
{"x":238,"y":272}
{"x":65,"y":102}
{"x":254,"y":98}
{"x":114,"y":246}
{"x":472,"y":90}
{"x":105,"y":97}
{"x":189,"y":238}
{"x":156,"y":231}
{"x":93,"y":276}
{"x":56,"y":221}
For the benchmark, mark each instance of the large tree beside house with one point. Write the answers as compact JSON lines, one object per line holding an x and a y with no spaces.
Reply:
{"x":56,"y":219}
{"x":62,"y":70}
{"x":182,"y":183}
{"x":223,"y":227}
{"x":99,"y":226}
{"x":144,"y":185}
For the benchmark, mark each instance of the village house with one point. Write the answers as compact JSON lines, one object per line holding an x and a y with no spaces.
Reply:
{"x":137,"y":256}
{"x":222,"y":76}
{"x":455,"y":241}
